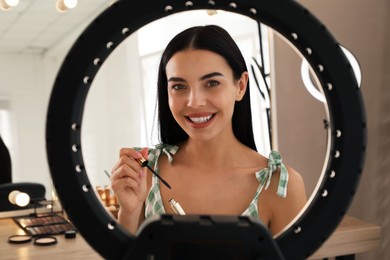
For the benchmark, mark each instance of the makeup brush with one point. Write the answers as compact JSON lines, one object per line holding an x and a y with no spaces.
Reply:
{"x":144,"y":163}
{"x":108,"y":175}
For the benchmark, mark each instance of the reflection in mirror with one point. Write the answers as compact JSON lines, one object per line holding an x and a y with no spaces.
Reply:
{"x":121,"y":105}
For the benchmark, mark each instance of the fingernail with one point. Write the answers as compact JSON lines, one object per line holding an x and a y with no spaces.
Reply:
{"x":138,"y":154}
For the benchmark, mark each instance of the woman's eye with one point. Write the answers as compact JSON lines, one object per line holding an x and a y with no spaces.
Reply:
{"x":212,"y":83}
{"x":177,"y":87}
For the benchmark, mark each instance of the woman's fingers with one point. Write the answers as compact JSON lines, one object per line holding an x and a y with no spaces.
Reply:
{"x":125,"y":171}
{"x":144,"y":153}
{"x":126,"y":166}
{"x":128,"y":172}
{"x":128,"y":179}
{"x":124,"y":183}
{"x":130,"y":152}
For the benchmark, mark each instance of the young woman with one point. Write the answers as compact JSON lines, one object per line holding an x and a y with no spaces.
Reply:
{"x":207,"y":152}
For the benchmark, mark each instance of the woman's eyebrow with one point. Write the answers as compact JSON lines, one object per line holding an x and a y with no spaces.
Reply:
{"x":207,"y":76}
{"x":176,"y":79}
{"x":210,"y":75}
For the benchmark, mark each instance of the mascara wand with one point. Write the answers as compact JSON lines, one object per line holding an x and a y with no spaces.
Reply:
{"x":144,"y":163}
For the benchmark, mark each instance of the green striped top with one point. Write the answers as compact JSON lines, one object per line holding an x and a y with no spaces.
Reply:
{"x":154,"y":204}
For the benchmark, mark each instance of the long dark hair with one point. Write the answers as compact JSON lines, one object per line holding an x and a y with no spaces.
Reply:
{"x":216,"y":39}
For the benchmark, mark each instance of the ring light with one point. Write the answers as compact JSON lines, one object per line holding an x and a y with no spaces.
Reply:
{"x":346,"y":127}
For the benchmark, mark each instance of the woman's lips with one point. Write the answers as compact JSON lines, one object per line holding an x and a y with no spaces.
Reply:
{"x":200,"y":121}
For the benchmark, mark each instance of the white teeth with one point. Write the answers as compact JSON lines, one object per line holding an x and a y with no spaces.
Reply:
{"x":202,"y":119}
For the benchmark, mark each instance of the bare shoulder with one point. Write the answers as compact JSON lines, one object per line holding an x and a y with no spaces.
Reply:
{"x":296,"y":184}
{"x":296,"y":193}
{"x":281,"y":210}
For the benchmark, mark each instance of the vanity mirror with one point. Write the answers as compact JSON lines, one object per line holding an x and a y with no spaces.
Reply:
{"x":345,"y":125}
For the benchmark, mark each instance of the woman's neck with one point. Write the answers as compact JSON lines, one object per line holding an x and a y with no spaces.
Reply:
{"x":213,"y":153}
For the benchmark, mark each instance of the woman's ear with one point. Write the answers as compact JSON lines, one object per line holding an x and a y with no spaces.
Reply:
{"x":242,"y":85}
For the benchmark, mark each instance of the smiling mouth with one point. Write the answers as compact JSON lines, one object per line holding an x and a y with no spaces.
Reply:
{"x":200,"y":119}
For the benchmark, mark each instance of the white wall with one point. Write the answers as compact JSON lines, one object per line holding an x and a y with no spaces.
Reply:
{"x":26,"y":81}
{"x":22,"y":82}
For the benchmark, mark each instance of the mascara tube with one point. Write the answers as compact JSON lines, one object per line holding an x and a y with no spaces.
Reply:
{"x":176,"y":207}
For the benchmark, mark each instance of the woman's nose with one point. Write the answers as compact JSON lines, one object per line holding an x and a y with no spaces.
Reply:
{"x":196,"y":98}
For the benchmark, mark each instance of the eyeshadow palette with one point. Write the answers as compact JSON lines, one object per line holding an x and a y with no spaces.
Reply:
{"x":44,"y":224}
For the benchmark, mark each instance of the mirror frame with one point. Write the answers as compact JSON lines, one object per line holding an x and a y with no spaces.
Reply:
{"x":347,"y":119}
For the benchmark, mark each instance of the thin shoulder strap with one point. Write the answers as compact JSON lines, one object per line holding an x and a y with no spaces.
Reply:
{"x":264,"y":176}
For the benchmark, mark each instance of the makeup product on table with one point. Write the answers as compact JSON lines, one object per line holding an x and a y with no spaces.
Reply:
{"x":19,"y":239}
{"x":176,"y":207}
{"x":45,"y":241}
{"x":107,"y":193}
{"x":144,"y":163}
{"x":44,"y":224}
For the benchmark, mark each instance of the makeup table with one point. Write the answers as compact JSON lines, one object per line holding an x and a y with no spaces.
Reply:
{"x":75,"y":248}
{"x":352,"y":237}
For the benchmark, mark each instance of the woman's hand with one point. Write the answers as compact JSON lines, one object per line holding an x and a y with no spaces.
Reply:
{"x":128,"y":181}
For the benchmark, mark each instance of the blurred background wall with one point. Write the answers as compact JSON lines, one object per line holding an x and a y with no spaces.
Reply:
{"x":364,"y":28}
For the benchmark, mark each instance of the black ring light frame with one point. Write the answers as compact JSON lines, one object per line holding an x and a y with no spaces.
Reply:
{"x":287,"y":17}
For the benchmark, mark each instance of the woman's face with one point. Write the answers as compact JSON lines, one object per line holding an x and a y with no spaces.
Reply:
{"x":202,"y":93}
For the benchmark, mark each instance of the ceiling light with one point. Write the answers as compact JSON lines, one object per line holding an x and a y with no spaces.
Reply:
{"x":6,"y":5}
{"x":63,"y":5}
{"x":70,"y":3}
